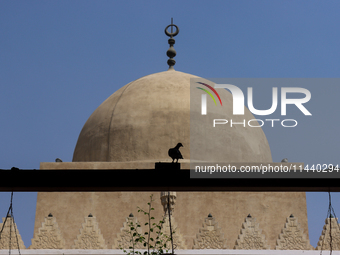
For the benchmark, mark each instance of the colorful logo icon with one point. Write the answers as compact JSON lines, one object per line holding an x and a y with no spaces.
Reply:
{"x":209,"y":93}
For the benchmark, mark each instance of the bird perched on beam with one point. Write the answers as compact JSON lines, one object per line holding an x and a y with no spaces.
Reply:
{"x":174,"y":153}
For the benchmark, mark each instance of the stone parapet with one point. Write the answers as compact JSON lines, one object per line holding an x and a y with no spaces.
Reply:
{"x":292,"y":236}
{"x":49,"y":235}
{"x":178,"y":252}
{"x":330,"y":236}
{"x":10,"y":237}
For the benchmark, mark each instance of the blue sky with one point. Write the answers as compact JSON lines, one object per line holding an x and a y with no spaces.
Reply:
{"x":61,"y":59}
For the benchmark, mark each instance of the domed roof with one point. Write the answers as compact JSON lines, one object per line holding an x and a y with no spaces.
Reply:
{"x":146,"y":117}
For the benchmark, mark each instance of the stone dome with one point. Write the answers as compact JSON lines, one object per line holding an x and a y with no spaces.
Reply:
{"x":146,"y":117}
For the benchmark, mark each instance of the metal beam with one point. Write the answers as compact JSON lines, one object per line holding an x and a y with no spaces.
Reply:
{"x":163,"y":178}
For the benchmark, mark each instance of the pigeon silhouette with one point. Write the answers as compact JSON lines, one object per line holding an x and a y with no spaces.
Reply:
{"x":174,"y":153}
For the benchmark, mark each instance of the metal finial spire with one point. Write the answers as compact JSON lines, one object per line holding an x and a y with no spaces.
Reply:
{"x":171,"y":53}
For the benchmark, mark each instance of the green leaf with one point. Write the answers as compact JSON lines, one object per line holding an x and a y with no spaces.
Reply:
{"x":144,"y":245}
{"x":134,"y":234}
{"x":151,"y":229}
{"x":146,"y":233}
{"x":146,"y":223}
{"x":152,"y":218}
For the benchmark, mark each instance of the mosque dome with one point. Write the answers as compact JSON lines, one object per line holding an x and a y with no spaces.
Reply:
{"x":146,"y":117}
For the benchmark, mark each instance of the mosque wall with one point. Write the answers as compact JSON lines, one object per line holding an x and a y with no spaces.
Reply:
{"x":179,"y":252}
{"x":268,"y":211}
{"x":201,"y":220}
{"x":210,"y":237}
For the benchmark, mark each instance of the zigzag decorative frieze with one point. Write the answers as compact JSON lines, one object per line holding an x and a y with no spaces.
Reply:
{"x":331,"y":231}
{"x":90,"y":236}
{"x":125,"y":237}
{"x":251,"y":237}
{"x":210,"y":236}
{"x":292,"y":236}
{"x":178,"y":239}
{"x":48,"y":236}
{"x":10,"y":237}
